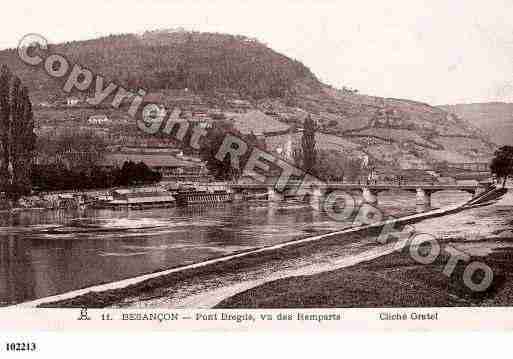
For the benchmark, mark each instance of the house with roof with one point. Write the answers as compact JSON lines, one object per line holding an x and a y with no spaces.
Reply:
{"x":140,"y":198}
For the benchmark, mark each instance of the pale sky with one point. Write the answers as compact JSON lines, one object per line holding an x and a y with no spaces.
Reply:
{"x":435,"y":51}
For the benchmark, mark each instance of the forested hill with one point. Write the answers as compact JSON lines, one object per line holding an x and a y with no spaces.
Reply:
{"x":201,"y":62}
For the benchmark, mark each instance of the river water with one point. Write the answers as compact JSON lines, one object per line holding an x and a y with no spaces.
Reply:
{"x":36,"y":261}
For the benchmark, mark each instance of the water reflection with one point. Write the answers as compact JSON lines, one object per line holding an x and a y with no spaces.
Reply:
{"x":16,"y":270}
{"x":36,"y":260}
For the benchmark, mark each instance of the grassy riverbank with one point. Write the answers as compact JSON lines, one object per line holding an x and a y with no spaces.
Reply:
{"x":389,"y":281}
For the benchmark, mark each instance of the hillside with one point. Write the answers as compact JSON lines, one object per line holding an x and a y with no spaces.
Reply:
{"x":247,"y":82}
{"x":495,"y":118}
{"x":396,"y":133}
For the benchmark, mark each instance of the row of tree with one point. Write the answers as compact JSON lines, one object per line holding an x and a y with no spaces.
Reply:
{"x":16,"y":134}
{"x":57,"y":178}
{"x":80,"y":151}
{"x":73,"y":160}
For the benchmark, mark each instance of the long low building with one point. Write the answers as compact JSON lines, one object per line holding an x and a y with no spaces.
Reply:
{"x":473,"y":166}
{"x":138,"y":198}
{"x":179,"y":168}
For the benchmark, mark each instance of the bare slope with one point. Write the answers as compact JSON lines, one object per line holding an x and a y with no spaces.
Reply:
{"x":495,"y":118}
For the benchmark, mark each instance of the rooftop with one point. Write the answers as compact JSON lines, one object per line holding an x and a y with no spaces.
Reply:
{"x":151,"y":160}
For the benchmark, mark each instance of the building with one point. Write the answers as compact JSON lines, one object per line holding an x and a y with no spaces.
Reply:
{"x":149,"y":150}
{"x":140,"y":198}
{"x":98,"y":120}
{"x":204,"y":123}
{"x":72,"y":101}
{"x":465,"y":170}
{"x":471,"y":167}
{"x":171,"y":167}
{"x":68,"y":159}
{"x":410,"y":162}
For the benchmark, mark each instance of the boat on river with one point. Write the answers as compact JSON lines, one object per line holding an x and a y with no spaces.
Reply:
{"x":188,"y":197}
{"x":138,"y":199}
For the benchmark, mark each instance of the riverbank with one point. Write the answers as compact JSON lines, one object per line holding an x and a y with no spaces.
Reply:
{"x":40,"y":202}
{"x":394,"y":280}
{"x":397,"y":280}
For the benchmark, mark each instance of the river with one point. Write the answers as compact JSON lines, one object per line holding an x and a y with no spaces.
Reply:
{"x":35,"y":263}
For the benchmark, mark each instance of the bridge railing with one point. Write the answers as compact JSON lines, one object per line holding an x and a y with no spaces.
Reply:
{"x":395,"y":184}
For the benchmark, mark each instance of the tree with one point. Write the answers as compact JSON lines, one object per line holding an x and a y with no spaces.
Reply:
{"x":136,"y":173}
{"x":308,"y":146}
{"x":5,"y":123}
{"x":502,"y":163}
{"x":213,"y":141}
{"x":23,"y":138}
{"x":80,"y":151}
{"x":17,"y":135}
{"x":332,"y":165}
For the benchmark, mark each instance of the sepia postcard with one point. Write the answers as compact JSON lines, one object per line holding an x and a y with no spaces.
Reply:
{"x":257,"y":165}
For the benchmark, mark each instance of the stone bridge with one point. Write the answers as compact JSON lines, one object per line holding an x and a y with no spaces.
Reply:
{"x":317,"y":191}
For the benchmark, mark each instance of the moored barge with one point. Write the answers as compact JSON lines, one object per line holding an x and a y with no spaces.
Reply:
{"x":202,"y":197}
{"x":138,"y":199}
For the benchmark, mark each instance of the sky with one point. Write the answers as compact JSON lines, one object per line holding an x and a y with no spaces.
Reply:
{"x":437,"y":51}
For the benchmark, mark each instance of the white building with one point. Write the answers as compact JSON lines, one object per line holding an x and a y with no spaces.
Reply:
{"x":98,"y":120}
{"x":72,"y":101}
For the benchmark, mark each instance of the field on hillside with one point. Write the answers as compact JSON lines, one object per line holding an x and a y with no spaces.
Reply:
{"x":495,"y":118}
{"x":396,"y":135}
{"x":258,"y":123}
{"x":324,"y":142}
{"x":470,"y":147}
